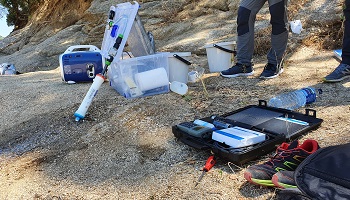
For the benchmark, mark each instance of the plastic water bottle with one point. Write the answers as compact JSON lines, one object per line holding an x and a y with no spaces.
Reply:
{"x":294,"y":100}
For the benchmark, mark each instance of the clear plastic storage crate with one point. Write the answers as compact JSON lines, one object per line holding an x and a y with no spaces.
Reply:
{"x":140,"y":76}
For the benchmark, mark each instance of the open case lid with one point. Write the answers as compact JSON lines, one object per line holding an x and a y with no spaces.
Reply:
{"x":274,"y":120}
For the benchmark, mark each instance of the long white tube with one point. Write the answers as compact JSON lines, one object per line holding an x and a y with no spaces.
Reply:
{"x":84,"y":106}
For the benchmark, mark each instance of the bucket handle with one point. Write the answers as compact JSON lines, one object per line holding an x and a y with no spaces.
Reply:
{"x":224,"y":49}
{"x":182,"y":59}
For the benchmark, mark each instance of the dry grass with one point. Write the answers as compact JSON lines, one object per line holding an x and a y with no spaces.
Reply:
{"x":325,"y":36}
{"x":262,"y":41}
{"x":294,"y":6}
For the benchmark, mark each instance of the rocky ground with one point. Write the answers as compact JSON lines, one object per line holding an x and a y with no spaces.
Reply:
{"x":125,"y":148}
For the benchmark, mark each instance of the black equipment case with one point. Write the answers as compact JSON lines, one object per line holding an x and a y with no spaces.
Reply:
{"x":260,"y":118}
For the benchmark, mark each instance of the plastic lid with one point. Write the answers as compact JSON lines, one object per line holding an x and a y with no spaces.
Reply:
{"x":178,"y":87}
{"x":220,"y":44}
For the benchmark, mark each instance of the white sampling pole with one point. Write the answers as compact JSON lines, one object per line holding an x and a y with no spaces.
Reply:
{"x":84,"y":106}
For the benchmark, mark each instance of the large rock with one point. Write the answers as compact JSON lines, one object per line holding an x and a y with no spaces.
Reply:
{"x":176,"y":25}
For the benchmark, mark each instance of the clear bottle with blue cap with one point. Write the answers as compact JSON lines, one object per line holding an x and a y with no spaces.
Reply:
{"x":294,"y":100}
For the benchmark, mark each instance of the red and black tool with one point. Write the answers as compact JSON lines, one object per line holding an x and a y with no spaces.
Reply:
{"x":208,"y":165}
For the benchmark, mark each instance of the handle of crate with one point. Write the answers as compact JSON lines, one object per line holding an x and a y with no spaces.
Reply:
{"x":90,"y":47}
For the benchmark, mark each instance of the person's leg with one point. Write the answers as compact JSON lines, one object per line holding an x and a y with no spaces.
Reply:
{"x":346,"y":38}
{"x":279,"y":35}
{"x":245,"y":29}
{"x":245,"y":38}
{"x":343,"y":70}
{"x":279,"y":38}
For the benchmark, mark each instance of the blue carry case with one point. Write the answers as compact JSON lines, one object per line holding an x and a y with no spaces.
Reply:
{"x":81,"y":63}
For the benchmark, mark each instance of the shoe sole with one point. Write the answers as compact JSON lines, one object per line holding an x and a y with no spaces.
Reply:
{"x":248,"y":177}
{"x":274,"y":76}
{"x":237,"y":75}
{"x":281,"y":185}
{"x":335,"y":80}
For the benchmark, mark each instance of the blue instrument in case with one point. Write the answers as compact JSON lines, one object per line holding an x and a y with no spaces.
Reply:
{"x":81,"y":63}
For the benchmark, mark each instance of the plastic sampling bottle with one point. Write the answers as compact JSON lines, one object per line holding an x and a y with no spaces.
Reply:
{"x":294,"y":100}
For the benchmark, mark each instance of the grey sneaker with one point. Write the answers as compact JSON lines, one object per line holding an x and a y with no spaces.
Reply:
{"x":238,"y":70}
{"x":339,"y":74}
{"x":271,"y":71}
{"x":284,"y":179}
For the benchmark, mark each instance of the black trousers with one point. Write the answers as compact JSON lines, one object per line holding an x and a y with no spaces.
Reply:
{"x":346,"y":39}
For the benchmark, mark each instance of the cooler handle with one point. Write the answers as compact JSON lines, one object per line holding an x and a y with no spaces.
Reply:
{"x":90,"y":47}
{"x":224,"y":49}
{"x":182,"y":59}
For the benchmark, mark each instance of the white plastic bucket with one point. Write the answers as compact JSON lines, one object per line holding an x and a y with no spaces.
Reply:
{"x":219,"y":59}
{"x":178,"y":66}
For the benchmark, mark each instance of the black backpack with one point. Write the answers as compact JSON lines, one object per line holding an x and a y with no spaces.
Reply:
{"x":323,"y":175}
